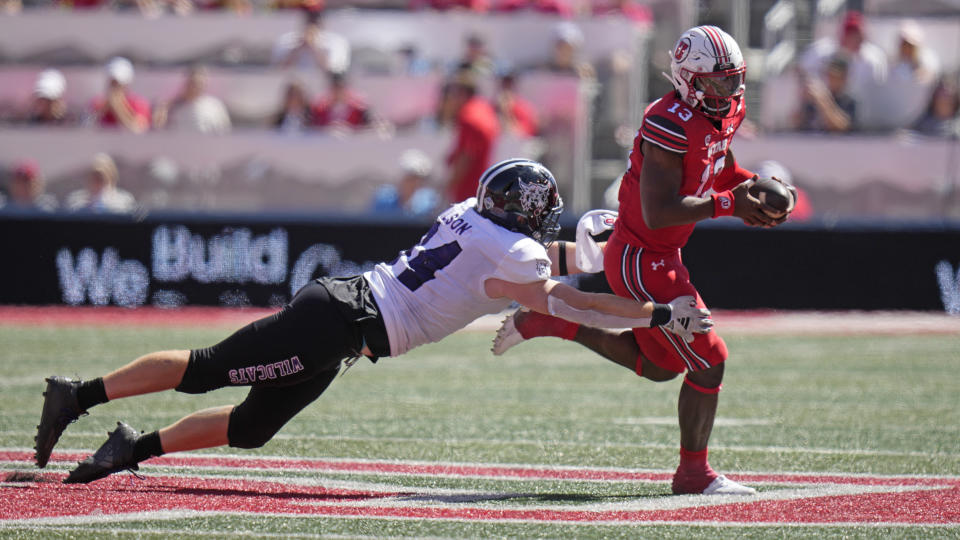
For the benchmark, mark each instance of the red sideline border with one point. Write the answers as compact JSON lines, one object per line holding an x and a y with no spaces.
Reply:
{"x":796,"y":499}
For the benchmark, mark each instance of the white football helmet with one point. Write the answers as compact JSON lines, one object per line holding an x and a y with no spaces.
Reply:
{"x":708,"y":71}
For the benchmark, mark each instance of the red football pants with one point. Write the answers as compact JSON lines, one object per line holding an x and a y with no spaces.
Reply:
{"x":634,"y":272}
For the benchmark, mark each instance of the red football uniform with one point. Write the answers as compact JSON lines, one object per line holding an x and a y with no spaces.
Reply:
{"x":672,"y":125}
{"x":645,"y":264}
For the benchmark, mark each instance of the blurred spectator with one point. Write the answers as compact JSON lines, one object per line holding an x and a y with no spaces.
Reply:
{"x":913,"y":72}
{"x":341,"y":107}
{"x":942,"y":117}
{"x":629,"y":9}
{"x":186,"y":7}
{"x":27,"y":189}
{"x":413,"y":195}
{"x":81,"y":4}
{"x":515,"y":113}
{"x":194,"y":109}
{"x":306,"y":5}
{"x":48,"y":106}
{"x":10,"y":7}
{"x":802,"y":210}
{"x":410,"y":62}
{"x":828,"y":106}
{"x":444,"y":116}
{"x":477,"y":132}
{"x":567,"y":40}
{"x":313,"y":47}
{"x":294,"y":115}
{"x":479,"y":6}
{"x":562,"y":8}
{"x":914,"y":60}
{"x":867,"y":63}
{"x":241,"y":7}
{"x":102,"y":194}
{"x":476,"y":57}
{"x":121,"y":107}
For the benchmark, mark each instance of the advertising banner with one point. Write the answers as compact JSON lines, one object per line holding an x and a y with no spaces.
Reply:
{"x":253,"y":260}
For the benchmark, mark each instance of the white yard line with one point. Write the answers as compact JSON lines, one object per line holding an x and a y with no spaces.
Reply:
{"x":68,"y":523}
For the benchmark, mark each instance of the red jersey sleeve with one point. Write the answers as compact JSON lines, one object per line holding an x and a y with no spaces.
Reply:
{"x":664,"y":132}
{"x":731,"y":176}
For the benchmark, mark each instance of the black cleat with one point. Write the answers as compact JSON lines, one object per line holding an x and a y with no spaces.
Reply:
{"x":114,"y":455}
{"x":60,"y":408}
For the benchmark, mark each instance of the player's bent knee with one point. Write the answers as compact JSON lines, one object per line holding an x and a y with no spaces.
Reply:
{"x":249,"y":441}
{"x":708,"y":381}
{"x":196,"y":379}
{"x":660,"y":374}
{"x":249,"y":429}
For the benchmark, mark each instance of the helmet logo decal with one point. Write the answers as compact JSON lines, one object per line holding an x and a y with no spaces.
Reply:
{"x":682,"y":50}
{"x":533,"y":197}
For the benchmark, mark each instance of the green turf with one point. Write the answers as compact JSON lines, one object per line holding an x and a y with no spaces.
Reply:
{"x":879,"y":404}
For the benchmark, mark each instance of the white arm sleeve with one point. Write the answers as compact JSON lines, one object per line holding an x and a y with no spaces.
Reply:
{"x":593,"y":319}
{"x":589,"y":254}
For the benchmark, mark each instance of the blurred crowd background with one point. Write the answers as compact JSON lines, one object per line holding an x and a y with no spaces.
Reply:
{"x":394,"y":107}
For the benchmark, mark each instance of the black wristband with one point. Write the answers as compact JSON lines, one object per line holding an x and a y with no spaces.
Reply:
{"x":661,"y":314}
{"x":562,"y":257}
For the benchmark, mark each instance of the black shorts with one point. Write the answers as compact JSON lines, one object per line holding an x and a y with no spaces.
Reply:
{"x":328,"y":320}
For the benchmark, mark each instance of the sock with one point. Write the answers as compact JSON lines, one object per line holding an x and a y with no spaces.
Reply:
{"x":694,"y":473}
{"x":91,"y":393}
{"x":693,"y":462}
{"x":147,"y":446}
{"x":540,"y":325}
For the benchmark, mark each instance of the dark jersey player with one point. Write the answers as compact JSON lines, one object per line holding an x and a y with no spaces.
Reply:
{"x":681,"y":171}
{"x":479,"y":256}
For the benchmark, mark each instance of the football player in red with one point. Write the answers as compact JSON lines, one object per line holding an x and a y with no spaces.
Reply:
{"x":681,"y":171}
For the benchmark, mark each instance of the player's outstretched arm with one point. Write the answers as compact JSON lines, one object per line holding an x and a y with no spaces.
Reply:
{"x":600,"y":310}
{"x":563,"y":258}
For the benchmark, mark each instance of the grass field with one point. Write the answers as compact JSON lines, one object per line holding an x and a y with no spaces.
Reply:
{"x":449,"y":441}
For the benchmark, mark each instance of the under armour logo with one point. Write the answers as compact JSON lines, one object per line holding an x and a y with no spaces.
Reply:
{"x":657,"y":264}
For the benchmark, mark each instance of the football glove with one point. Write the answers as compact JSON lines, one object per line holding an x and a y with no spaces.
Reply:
{"x":686,"y":318}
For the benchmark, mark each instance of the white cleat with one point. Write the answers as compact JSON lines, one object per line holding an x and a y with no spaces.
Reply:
{"x":722,"y":485}
{"x":507,"y":335}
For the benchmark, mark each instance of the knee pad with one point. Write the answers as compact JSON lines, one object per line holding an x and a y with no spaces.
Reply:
{"x":249,"y":428}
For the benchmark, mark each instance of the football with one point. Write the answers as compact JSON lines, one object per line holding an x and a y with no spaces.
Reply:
{"x":774,"y":194}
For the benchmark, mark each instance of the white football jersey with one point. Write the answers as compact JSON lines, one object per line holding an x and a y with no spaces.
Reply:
{"x":437,"y":287}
